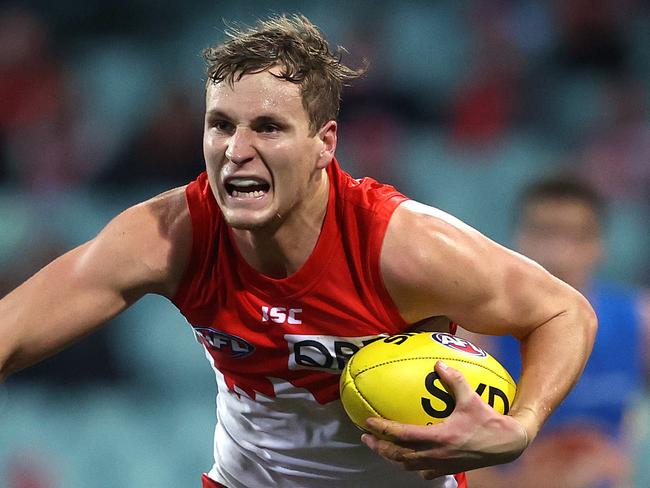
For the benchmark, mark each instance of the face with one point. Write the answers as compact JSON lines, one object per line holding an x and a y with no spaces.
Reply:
{"x":564,"y":236}
{"x":262,"y":161}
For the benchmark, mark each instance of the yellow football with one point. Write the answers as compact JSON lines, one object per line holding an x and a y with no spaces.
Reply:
{"x":394,"y":378}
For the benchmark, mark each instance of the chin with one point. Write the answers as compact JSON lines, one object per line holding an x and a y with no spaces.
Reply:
{"x":249,"y":222}
{"x":243,"y":225}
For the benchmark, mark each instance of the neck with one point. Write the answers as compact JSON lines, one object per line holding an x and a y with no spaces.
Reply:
{"x":281,"y":251}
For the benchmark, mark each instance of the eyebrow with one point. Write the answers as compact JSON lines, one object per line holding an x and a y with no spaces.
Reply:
{"x":268,"y":119}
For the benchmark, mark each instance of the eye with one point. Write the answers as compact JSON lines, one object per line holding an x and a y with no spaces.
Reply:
{"x":269,"y":128}
{"x":222,"y":125}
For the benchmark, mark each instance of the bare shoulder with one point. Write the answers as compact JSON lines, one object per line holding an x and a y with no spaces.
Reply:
{"x":434,"y":264}
{"x":152,"y":239}
{"x":169,"y":211}
{"x":419,"y":241}
{"x":420,"y":235}
{"x":414,"y":221}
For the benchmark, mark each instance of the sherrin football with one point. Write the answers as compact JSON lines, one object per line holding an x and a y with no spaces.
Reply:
{"x":394,"y":378}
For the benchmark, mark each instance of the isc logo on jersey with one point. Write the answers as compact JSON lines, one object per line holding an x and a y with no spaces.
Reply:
{"x":458,"y":344}
{"x":281,"y":315}
{"x":325,"y":353}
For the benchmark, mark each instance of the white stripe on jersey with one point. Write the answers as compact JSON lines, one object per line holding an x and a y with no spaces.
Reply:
{"x":292,"y":441}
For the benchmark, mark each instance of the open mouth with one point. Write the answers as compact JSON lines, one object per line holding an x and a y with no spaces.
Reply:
{"x":246,"y":187}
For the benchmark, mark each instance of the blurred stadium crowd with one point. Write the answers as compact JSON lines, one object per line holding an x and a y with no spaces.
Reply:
{"x":101,"y":106}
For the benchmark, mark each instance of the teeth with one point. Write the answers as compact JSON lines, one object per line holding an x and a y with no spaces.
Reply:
{"x":247,"y":194}
{"x":244,"y":182}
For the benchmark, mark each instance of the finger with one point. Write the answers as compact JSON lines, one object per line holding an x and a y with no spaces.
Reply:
{"x":413,"y":459}
{"x":401,"y":433}
{"x":371,"y":441}
{"x":454,"y":382}
{"x":387,"y":449}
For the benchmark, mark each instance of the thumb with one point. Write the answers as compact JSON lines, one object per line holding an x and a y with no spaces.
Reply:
{"x":454,"y":382}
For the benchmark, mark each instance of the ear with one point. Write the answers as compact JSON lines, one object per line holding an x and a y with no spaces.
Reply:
{"x":327,"y":139}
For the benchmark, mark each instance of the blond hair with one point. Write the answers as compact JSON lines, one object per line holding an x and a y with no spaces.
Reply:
{"x":299,"y":49}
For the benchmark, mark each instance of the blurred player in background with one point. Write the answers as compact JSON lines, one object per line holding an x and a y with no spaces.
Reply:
{"x":585,"y":443}
{"x":285,"y":265}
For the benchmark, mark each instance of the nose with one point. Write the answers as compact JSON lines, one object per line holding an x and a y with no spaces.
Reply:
{"x":240,"y":146}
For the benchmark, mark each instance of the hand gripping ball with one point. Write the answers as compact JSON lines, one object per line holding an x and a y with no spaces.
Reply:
{"x":394,"y":378}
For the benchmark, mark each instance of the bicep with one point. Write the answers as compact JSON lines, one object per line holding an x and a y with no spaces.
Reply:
{"x":504,"y":293}
{"x":434,"y":264}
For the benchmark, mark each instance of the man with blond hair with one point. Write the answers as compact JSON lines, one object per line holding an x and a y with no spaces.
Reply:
{"x":285,"y":265}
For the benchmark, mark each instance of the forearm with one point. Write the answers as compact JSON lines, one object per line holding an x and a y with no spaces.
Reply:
{"x":553,"y":357}
{"x":51,"y":310}
{"x":143,"y":250}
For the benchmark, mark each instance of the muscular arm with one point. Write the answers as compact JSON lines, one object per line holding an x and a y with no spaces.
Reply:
{"x":143,"y":250}
{"x":434,"y":265}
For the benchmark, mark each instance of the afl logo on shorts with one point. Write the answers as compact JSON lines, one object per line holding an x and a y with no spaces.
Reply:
{"x":230,"y":344}
{"x":458,"y":344}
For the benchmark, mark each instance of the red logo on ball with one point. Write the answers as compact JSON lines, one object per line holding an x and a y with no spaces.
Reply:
{"x":459,"y":344}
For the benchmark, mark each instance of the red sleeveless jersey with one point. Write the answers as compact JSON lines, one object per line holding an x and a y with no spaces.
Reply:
{"x":278,"y":346}
{"x":293,"y":328}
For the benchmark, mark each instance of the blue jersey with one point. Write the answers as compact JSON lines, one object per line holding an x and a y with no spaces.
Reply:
{"x":614,"y":371}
